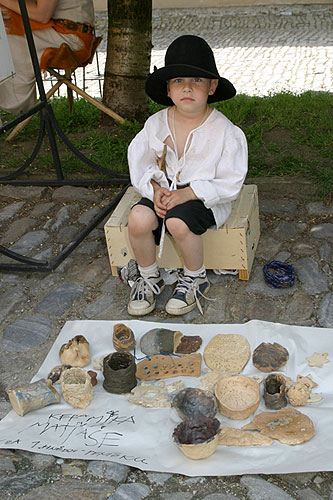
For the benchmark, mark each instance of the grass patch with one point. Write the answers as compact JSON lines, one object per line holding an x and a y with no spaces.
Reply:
{"x":287,"y":135}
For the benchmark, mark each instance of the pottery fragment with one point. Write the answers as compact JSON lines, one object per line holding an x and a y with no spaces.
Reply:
{"x":165,"y":341}
{"x":55,"y":373}
{"x":227,"y":353}
{"x":229,"y":436}
{"x":269,"y":357}
{"x":28,"y":397}
{"x":192,"y":402}
{"x":123,"y":338}
{"x":76,"y":352}
{"x":76,"y":387}
{"x":160,"y":367}
{"x":237,"y":397}
{"x":275,"y":391}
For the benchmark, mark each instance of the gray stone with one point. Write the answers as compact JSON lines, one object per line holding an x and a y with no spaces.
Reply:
{"x":288,"y":230}
{"x":10,"y":210}
{"x":26,"y":333}
{"x":325,"y":316}
{"x":158,"y":477}
{"x":325,"y":252}
{"x":89,"y":248}
{"x":298,"y":309}
{"x":322,"y":231}
{"x":318,"y":208}
{"x":30,"y":241}
{"x":194,"y":480}
{"x":22,"y":192}
{"x":87,"y":216}
{"x":282,"y":256}
{"x":133,"y":491}
{"x":297,"y":478}
{"x":98,"y":306}
{"x":260,"y":489}
{"x":67,"y":234}
{"x":17,"y":229}
{"x":257,"y":285}
{"x":68,"y":194}
{"x":308,"y":494}
{"x":303,"y":249}
{"x":277,"y":206}
{"x":45,"y":255}
{"x":68,"y":488}
{"x":71,"y":469}
{"x":264,"y":309}
{"x":63,"y":215}
{"x":313,"y":281}
{"x":42,"y":209}
{"x":61,"y":298}
{"x":220,"y":496}
{"x":108,"y":470}
{"x":177,"y":495}
{"x":22,"y":482}
{"x":6,"y":465}
{"x":5,"y":408}
{"x":41,"y":462}
{"x":267,"y":248}
{"x":10,"y":300}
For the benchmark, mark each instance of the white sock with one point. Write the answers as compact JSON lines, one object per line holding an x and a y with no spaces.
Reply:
{"x":194,"y":274}
{"x":150,"y":271}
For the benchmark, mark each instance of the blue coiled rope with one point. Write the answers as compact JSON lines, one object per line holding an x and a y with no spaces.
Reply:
{"x":279,"y":274}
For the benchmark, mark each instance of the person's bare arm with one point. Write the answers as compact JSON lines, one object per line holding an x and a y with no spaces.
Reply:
{"x":39,"y":10}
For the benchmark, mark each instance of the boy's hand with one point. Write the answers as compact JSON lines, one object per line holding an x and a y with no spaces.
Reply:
{"x":159,"y":194}
{"x":177,"y":197}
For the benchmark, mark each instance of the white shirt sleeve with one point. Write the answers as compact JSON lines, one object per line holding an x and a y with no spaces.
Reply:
{"x":229,"y":174}
{"x":143,"y":166}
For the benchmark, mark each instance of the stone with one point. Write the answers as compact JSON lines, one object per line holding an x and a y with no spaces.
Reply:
{"x":158,"y":477}
{"x":319,"y":208}
{"x":23,"y":482}
{"x":322,"y":231}
{"x":26,"y":333}
{"x":297,"y":478}
{"x":288,"y":230}
{"x":132,"y":491}
{"x":116,"y":472}
{"x":89,"y":248}
{"x":303,"y":249}
{"x":63,"y":216}
{"x":88,"y":216}
{"x":58,"y":300}
{"x":177,"y":495}
{"x":298,"y":309}
{"x":312,"y":279}
{"x":98,"y":306}
{"x":282,"y":256}
{"x":257,"y":285}
{"x":260,"y":489}
{"x":325,"y":316}
{"x":325,"y":252}
{"x":67,"y":234}
{"x":267,"y":248}
{"x":23,"y":192}
{"x":68,"y":194}
{"x":263,"y":309}
{"x":9,"y":301}
{"x":219,"y":496}
{"x":42,"y":209}
{"x":10,"y":210}
{"x":68,"y":469}
{"x":41,"y":462}
{"x":277,"y":206}
{"x":30,"y":241}
{"x":6,"y":465}
{"x":68,"y":488}
{"x":17,"y":229}
{"x":308,"y":494}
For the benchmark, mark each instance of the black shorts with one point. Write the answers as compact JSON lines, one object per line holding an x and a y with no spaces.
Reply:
{"x":196,"y":216}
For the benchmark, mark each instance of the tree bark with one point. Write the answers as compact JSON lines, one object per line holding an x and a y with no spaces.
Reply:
{"x":128,"y":58}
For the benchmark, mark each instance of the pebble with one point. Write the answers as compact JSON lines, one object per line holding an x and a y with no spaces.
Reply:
{"x":260,"y":489}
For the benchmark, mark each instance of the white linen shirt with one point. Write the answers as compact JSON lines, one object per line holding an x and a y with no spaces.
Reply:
{"x":214,"y":164}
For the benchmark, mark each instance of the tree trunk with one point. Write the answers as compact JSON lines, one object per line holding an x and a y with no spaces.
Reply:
{"x":128,"y":58}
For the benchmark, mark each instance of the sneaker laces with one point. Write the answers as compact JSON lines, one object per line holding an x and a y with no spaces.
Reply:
{"x":142,"y":286}
{"x":187,"y":283}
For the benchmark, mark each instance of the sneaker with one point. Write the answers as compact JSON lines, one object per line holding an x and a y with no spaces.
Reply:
{"x":186,"y":295}
{"x":143,"y":295}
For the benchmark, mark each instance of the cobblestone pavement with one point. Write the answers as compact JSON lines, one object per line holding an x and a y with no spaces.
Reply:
{"x":40,"y":221}
{"x":262,"y":50}
{"x":259,"y":50}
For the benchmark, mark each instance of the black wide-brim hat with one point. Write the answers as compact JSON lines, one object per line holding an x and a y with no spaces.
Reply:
{"x":187,"y":56}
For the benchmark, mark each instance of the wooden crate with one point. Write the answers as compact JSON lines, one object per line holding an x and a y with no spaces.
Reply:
{"x":232,"y":246}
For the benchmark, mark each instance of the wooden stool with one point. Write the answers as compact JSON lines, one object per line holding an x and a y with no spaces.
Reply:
{"x":65,"y":53}
{"x":232,"y":246}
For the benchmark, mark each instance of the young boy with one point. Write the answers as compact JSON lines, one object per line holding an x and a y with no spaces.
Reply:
{"x":205,"y":167}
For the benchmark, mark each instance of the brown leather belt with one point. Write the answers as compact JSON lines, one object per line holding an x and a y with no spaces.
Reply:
{"x":72,"y":25}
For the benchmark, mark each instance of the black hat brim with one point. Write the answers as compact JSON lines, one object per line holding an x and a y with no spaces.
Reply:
{"x":156,"y":83}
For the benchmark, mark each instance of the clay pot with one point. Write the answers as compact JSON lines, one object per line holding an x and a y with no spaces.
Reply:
{"x":75,"y":352}
{"x":119,"y":370}
{"x":190,"y":402}
{"x":197,"y":438}
{"x":237,"y":397}
{"x":275,"y":392}
{"x":76,"y":387}
{"x":28,"y":397}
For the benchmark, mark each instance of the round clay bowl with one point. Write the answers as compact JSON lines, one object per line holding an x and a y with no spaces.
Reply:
{"x":200,"y":450}
{"x":237,"y":397}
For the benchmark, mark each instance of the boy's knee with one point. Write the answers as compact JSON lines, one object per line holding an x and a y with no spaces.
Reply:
{"x":177,"y":227}
{"x":140,"y":220}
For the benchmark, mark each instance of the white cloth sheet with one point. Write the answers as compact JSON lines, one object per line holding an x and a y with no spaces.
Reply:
{"x":113,"y":429}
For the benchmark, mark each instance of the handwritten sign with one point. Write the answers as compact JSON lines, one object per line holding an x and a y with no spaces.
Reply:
{"x":113,"y":429}
{"x":6,"y":66}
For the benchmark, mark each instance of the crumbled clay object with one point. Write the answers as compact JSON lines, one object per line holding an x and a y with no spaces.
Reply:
{"x":76,"y":387}
{"x":268,"y":357}
{"x":159,"y":367}
{"x":209,"y":380}
{"x":238,"y":397}
{"x":93,"y":376}
{"x":55,"y":373}
{"x":299,"y":392}
{"x":98,"y":363}
{"x":188,"y":344}
{"x":229,"y":436}
{"x":317,"y":359}
{"x":152,"y":395}
{"x":288,"y":425}
{"x":123,"y":338}
{"x":314,"y":398}
{"x":193,"y":402}
{"x":227,"y":353}
{"x":76,"y":352}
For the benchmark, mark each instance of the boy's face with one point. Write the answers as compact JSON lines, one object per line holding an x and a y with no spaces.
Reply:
{"x":191,"y":92}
